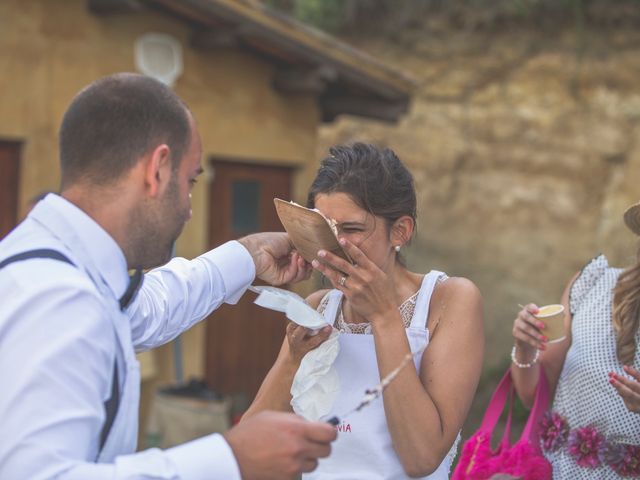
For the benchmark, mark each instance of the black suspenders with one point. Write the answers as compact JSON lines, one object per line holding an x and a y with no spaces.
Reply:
{"x":42,"y":253}
{"x":111,"y":405}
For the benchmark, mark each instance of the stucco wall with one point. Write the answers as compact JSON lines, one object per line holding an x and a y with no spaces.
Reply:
{"x":49,"y":50}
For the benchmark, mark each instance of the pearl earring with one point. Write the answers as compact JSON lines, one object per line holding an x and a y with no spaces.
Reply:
{"x":397,"y":248}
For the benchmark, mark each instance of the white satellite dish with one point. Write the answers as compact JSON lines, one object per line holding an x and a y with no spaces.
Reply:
{"x":159,"y":56}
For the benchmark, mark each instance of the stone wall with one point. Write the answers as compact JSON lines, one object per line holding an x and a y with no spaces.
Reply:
{"x":525,"y":146}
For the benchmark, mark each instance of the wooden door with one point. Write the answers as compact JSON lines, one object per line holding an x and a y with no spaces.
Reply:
{"x":9,"y":179}
{"x":243,"y":340}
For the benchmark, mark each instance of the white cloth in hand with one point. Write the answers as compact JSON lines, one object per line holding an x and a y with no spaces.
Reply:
{"x":316,"y":382}
{"x":291,"y":304}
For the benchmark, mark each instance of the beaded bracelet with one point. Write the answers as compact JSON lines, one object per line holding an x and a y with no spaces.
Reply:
{"x":524,"y":365}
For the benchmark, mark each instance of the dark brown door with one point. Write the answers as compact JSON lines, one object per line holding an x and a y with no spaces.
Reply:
{"x":243,"y":340}
{"x":9,"y":179}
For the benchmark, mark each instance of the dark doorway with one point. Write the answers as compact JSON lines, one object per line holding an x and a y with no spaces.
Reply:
{"x":9,"y":180}
{"x":243,"y":340}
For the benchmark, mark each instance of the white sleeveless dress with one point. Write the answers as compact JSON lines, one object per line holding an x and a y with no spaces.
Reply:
{"x":583,"y":395}
{"x":364,"y":449}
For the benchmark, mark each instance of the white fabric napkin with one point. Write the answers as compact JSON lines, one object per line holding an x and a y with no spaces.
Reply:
{"x":291,"y":304}
{"x":316,"y":383}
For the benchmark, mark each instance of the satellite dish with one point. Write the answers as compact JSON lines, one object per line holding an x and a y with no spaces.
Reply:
{"x":159,"y":56}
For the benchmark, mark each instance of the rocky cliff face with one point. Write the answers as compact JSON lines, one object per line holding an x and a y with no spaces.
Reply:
{"x":525,"y":146}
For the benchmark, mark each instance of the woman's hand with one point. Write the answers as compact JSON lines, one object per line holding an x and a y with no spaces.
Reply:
{"x":527,"y":330}
{"x":368,"y":289}
{"x":628,"y":388}
{"x":527,"y":334}
{"x":302,"y":342}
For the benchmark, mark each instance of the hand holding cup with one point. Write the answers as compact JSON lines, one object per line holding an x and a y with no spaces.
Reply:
{"x":536,"y":326}
{"x":553,"y":318}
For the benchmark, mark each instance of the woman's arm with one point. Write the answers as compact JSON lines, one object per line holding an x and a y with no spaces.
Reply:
{"x":528,"y":339}
{"x":274,"y":393}
{"x":425,"y":412}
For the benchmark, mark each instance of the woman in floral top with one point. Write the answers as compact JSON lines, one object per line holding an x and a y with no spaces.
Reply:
{"x":593,"y":428}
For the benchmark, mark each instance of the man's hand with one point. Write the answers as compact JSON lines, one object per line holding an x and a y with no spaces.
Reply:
{"x":277,"y":445}
{"x":275,"y":260}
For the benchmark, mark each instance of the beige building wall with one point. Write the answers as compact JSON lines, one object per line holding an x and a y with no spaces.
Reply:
{"x":49,"y":50}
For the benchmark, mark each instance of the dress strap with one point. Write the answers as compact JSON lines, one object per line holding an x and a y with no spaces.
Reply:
{"x":419,"y":319}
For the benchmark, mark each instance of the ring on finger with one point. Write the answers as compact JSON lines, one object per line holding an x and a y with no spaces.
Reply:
{"x":342,"y":281}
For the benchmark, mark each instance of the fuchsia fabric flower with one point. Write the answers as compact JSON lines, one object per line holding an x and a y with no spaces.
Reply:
{"x":589,"y":448}
{"x":584,"y":446}
{"x":555,"y":431}
{"x":623,"y":459}
{"x":611,"y":453}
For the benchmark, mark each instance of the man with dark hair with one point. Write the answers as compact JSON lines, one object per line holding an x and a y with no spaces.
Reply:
{"x":71,"y":321}
{"x":108,"y":128}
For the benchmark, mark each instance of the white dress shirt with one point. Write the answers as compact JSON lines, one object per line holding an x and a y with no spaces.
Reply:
{"x":61,"y":330}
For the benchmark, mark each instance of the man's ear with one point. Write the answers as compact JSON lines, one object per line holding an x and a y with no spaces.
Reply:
{"x":401,"y":230}
{"x":157,"y":172}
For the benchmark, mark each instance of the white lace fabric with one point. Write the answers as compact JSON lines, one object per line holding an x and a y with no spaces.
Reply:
{"x":406,"y":312}
{"x":407,"y":308}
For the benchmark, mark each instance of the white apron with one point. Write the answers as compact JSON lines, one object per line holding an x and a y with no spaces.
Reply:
{"x":364,"y":449}
{"x":123,"y":435}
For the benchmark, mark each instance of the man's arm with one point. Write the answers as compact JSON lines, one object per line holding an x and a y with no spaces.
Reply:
{"x":176,"y":296}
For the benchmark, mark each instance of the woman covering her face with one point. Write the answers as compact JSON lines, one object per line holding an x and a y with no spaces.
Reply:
{"x":381,"y":312}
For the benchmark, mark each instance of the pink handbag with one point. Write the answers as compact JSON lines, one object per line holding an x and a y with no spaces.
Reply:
{"x":523,"y":460}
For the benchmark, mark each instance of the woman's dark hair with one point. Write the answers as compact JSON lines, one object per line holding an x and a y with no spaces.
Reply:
{"x":114,"y":121}
{"x":375,"y":179}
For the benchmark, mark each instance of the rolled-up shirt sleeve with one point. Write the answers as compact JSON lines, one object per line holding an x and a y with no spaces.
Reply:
{"x":176,"y":296}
